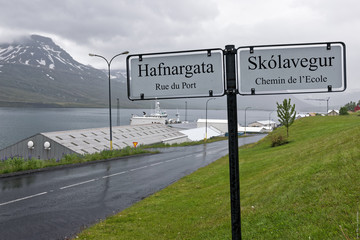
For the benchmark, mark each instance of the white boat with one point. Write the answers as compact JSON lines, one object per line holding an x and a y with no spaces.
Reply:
{"x":177,"y":120}
{"x":157,"y":117}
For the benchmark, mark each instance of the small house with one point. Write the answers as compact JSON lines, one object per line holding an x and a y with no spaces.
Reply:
{"x":333,"y":112}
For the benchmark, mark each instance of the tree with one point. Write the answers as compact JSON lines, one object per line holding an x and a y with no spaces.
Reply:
{"x":343,"y":111}
{"x":286,"y":113}
{"x":350,"y":106}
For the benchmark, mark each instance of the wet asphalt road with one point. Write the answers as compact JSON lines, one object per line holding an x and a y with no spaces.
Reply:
{"x":59,"y":203}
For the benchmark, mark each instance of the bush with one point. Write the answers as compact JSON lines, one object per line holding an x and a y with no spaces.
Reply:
{"x":278,"y":140}
{"x":33,"y":163}
{"x":18,"y":163}
{"x":343,"y":111}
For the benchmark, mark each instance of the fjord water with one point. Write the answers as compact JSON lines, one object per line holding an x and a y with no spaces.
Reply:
{"x":17,"y":124}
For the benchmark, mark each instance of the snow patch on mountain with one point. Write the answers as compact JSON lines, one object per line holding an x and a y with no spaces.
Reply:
{"x":42,"y":62}
{"x":40,"y":51}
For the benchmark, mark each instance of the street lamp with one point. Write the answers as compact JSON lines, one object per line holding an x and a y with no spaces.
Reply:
{"x":269,"y":119}
{"x":245,"y":118}
{"x":118,"y":112}
{"x":327,"y":105}
{"x":206,"y":117}
{"x":109,"y":63}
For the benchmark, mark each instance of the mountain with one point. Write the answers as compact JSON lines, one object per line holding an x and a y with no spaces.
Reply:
{"x":34,"y":71}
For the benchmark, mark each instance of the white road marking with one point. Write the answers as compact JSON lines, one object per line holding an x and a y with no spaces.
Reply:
{"x":175,"y":159}
{"x":115,"y":174}
{"x":24,"y":198}
{"x":138,"y":168}
{"x":170,"y":160}
{"x":154,"y":164}
{"x":77,"y":184}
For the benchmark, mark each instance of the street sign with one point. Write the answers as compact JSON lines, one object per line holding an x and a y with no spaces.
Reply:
{"x":296,"y":68}
{"x":186,"y":74}
{"x":275,"y":69}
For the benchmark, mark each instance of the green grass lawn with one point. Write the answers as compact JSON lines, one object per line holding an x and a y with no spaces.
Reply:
{"x":304,"y":189}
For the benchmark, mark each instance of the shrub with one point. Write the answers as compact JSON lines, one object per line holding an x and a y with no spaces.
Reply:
{"x":18,"y":163}
{"x":343,"y":111}
{"x":278,"y":140}
{"x":33,"y":163}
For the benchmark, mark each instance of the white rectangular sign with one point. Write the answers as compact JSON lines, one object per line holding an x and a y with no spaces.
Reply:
{"x":292,"y":68}
{"x":197,"y":73}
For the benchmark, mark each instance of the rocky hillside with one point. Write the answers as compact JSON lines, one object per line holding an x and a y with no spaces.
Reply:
{"x":37,"y":72}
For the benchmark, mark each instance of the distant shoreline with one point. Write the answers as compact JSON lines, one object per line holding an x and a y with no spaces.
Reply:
{"x":73,"y":105}
{"x":46,"y":105}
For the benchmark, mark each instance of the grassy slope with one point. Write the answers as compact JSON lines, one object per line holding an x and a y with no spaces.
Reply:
{"x":301,"y":190}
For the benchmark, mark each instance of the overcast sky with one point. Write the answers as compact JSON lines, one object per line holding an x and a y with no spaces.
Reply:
{"x":109,"y":27}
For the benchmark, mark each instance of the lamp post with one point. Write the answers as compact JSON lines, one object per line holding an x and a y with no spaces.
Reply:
{"x":245,"y":118}
{"x":109,"y":63}
{"x":269,"y":118}
{"x":206,"y":117}
{"x":327,"y":105}
{"x":118,"y":112}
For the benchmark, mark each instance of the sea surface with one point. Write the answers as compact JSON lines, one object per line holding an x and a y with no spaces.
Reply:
{"x":17,"y":124}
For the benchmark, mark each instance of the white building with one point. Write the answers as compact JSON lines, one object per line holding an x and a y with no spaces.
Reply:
{"x":252,"y":129}
{"x":197,"y":134}
{"x":268,"y":125}
{"x":302,"y":115}
{"x":220,"y":124}
{"x":86,"y":141}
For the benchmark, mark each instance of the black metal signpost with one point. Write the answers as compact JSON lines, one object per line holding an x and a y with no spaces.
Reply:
{"x":276,"y":69}
{"x":231,"y":91}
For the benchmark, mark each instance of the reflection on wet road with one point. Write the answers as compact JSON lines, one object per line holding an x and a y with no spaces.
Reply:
{"x":58,"y":204}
